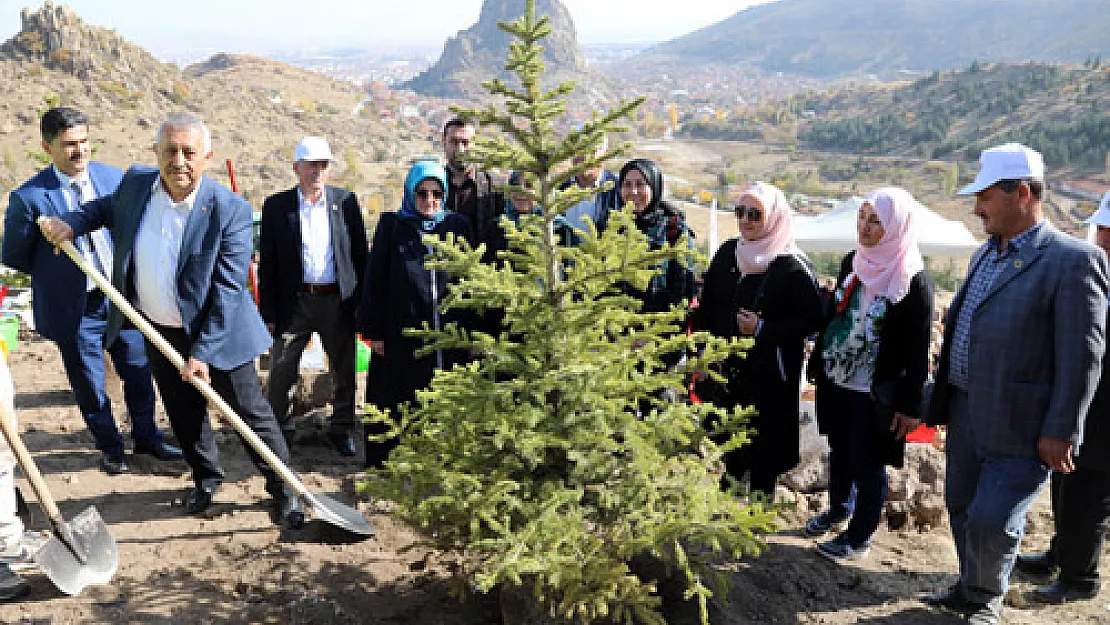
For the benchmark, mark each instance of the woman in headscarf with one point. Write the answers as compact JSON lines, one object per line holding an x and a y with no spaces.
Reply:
{"x":760,"y":286}
{"x":400,"y":293}
{"x":641,"y":183}
{"x":870,"y":364}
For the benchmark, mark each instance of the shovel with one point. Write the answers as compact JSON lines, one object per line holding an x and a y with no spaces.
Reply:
{"x":323,"y":507}
{"x":82,"y":551}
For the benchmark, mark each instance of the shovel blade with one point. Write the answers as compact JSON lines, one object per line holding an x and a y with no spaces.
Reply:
{"x":62,"y":567}
{"x":326,"y":509}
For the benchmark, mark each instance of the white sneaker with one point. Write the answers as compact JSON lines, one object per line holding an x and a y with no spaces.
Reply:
{"x":20,"y":555}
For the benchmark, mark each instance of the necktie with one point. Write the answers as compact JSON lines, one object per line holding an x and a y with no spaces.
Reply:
{"x":101,"y":248}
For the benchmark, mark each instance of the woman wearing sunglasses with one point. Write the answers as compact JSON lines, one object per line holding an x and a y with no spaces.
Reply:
{"x":399,"y":292}
{"x":759,"y":286}
{"x":870,"y":365}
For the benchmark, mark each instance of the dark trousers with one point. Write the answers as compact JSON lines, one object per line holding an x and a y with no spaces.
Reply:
{"x":855,"y":464}
{"x":1081,"y":510}
{"x":335,"y":323}
{"x":83,"y":359}
{"x":188,"y":413}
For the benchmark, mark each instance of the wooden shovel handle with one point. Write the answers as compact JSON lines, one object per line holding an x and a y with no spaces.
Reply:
{"x":171,"y":354}
{"x":7,"y":424}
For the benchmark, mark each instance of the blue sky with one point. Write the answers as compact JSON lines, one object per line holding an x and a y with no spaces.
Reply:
{"x":168,"y":28}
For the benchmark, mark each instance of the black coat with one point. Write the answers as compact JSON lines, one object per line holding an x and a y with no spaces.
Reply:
{"x":280,"y":267}
{"x":398,"y":294}
{"x":902,"y":361}
{"x":1094,"y":452}
{"x":769,"y":377}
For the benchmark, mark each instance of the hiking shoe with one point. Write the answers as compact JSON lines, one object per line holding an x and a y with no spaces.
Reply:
{"x":951,"y":598}
{"x":823,"y":524}
{"x":840,"y":550}
{"x":12,"y":586}
{"x":989,"y":613}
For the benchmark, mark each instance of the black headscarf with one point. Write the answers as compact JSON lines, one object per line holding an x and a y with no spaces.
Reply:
{"x":653,"y":214}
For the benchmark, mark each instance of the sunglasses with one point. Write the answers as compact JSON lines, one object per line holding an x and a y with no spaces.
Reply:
{"x":753,"y":213}
{"x":426,"y":193}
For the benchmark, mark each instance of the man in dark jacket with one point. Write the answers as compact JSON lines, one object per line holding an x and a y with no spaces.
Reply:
{"x":1080,"y":499}
{"x":470,"y":190}
{"x":312,"y":256}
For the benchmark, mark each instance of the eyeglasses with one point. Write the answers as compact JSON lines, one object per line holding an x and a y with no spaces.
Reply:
{"x":753,"y":213}
{"x":426,"y":193}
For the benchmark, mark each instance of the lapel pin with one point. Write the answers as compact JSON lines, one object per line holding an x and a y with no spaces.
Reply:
{"x":1017,"y":263}
{"x":334,"y":207}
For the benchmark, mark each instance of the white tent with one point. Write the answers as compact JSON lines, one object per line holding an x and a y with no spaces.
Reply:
{"x":835,"y":231}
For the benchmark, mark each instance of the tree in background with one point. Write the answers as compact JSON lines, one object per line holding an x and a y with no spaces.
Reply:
{"x":552,"y":461}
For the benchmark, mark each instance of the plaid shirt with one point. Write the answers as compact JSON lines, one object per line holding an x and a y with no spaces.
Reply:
{"x":978,"y":285}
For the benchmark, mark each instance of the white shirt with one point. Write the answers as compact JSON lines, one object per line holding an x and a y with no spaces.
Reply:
{"x":157,"y":249}
{"x":317,"y":256}
{"x":73,"y":203}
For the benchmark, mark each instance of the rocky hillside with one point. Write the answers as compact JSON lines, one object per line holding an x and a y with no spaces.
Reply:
{"x":479,"y":52}
{"x":835,"y":37}
{"x":257,"y":109}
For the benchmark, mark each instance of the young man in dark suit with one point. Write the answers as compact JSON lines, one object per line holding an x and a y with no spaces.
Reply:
{"x":183,"y":248}
{"x":68,"y":307}
{"x":312,"y":256}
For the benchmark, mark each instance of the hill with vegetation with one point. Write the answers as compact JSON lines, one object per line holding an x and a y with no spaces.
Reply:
{"x":1063,"y":111}
{"x":829,"y":38}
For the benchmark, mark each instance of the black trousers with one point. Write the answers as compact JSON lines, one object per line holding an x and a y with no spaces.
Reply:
{"x":1081,"y":511}
{"x":187,"y":410}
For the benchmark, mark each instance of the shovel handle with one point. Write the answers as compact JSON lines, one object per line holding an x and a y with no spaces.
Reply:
{"x":7,"y":424}
{"x":171,"y":354}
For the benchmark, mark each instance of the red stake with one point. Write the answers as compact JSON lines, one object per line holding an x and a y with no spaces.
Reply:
{"x":252,"y":276}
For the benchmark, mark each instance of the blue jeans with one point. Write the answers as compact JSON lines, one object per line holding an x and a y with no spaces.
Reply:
{"x":857,"y":475}
{"x":988,"y":496}
{"x":83,"y":359}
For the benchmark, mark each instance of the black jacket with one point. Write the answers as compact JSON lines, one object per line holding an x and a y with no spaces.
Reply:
{"x":902,"y":361}
{"x":280,"y":267}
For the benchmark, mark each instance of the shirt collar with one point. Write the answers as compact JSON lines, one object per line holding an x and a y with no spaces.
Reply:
{"x":159,"y":190}
{"x":1016,"y":242}
{"x":66,"y":180}
{"x":303,"y":202}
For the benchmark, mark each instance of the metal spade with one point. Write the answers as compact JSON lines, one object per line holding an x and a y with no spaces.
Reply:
{"x":323,"y":508}
{"x":82,"y":551}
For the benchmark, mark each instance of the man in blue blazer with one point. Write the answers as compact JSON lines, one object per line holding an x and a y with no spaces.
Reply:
{"x":1022,"y":353}
{"x":183,"y":246}
{"x":68,"y":307}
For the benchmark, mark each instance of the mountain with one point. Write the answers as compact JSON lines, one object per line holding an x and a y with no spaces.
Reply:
{"x":479,"y":52}
{"x":827,"y":38}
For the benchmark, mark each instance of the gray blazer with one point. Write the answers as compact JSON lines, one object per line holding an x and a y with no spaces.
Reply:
{"x":1037,"y":341}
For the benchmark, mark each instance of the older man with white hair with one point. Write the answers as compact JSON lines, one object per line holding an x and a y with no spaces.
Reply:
{"x":183,"y":246}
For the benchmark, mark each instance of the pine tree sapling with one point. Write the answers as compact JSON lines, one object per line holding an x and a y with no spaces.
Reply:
{"x":550,"y":460}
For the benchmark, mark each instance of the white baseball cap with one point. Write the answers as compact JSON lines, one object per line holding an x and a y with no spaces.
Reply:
{"x":312,"y":149}
{"x":1101,"y":217}
{"x":1010,"y":161}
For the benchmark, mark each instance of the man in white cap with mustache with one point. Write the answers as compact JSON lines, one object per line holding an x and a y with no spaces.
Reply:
{"x":1080,"y":499}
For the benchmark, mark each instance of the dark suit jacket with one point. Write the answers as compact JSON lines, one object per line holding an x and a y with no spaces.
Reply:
{"x":1094,"y":453}
{"x":58,"y":285}
{"x":218,"y":314}
{"x":1037,"y":342}
{"x":280,"y":268}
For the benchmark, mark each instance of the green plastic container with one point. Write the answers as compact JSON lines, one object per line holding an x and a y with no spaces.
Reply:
{"x":362,"y":356}
{"x":9,"y":331}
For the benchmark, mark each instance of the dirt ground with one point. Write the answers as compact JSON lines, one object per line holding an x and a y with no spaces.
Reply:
{"x":236,"y":567}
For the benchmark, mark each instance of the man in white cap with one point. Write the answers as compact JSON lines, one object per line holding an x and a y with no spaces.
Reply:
{"x":1022,"y":355}
{"x":1080,"y":499}
{"x":312,"y":254}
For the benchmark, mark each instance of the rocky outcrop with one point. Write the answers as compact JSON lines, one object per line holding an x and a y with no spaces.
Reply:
{"x":479,"y":52}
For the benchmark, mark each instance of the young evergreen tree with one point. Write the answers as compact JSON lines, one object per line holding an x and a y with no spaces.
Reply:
{"x":551,"y":460}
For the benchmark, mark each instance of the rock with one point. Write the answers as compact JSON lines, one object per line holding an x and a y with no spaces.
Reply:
{"x":929,"y":511}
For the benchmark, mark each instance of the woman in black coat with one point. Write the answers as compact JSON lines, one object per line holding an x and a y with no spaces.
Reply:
{"x":759,"y":285}
{"x":399,"y":292}
{"x":870,"y":364}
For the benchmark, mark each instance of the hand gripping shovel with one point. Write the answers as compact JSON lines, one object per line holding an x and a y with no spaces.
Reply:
{"x":323,"y":507}
{"x":82,"y":551}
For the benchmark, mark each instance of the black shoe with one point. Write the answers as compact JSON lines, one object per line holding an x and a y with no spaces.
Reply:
{"x":1039,"y":563}
{"x":343,"y":441}
{"x":951,"y":598}
{"x":12,"y":586}
{"x":289,"y":511}
{"x":198,"y":500}
{"x":160,"y":450}
{"x":1060,"y":591}
{"x":113,"y":464}
{"x":989,"y":613}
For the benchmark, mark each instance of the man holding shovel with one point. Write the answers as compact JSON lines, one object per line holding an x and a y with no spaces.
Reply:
{"x":183,"y":246}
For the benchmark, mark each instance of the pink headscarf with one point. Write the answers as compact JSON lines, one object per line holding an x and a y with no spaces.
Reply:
{"x":777,"y":237}
{"x":887,"y":268}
